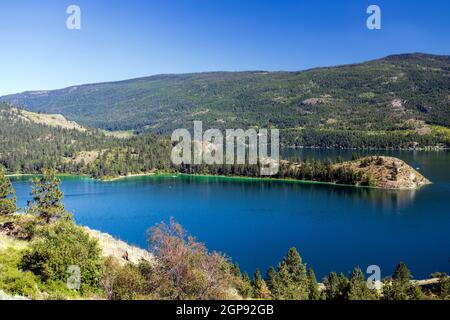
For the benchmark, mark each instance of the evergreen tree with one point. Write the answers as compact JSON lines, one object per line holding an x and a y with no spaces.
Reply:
{"x":247,"y":289}
{"x":7,"y":203}
{"x":358,"y":289}
{"x":290,"y":281}
{"x":314,"y":292}
{"x":260,"y":290}
{"x":336,"y":287}
{"x":236,"y":270}
{"x":401,"y":287}
{"x":270,"y":275}
{"x":444,"y":287}
{"x":47,"y":197}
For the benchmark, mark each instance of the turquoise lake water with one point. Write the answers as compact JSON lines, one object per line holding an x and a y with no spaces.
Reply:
{"x":334,"y":228}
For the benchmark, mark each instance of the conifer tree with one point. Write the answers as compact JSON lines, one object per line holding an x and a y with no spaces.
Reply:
{"x":444,"y":287}
{"x":358,"y":289}
{"x":260,"y":290}
{"x":314,"y":292}
{"x":401,"y":287}
{"x":7,"y":203}
{"x":247,"y":290}
{"x":236,"y":270}
{"x":336,"y":287}
{"x":291,"y":280}
{"x":270,"y":275}
{"x":47,"y":197}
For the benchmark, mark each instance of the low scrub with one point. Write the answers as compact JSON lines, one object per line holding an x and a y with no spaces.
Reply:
{"x":64,"y":244}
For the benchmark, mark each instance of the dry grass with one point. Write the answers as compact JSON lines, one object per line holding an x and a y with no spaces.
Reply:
{"x":118,"y":249}
{"x":52,"y":120}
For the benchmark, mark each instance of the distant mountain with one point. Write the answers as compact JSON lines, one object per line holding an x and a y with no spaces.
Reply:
{"x":400,"y":92}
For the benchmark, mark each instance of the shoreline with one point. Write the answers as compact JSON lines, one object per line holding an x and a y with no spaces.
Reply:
{"x":133,"y":175}
{"x":221,"y":177}
{"x":422,"y":149}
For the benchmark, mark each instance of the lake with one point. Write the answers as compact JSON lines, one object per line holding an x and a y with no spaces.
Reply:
{"x":335,"y":228}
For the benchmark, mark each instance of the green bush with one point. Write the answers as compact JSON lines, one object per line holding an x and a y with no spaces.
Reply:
{"x":124,"y":282}
{"x":14,"y":281}
{"x":64,"y":244}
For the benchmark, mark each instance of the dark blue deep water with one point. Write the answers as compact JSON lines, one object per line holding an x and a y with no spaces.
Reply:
{"x":334,"y":228}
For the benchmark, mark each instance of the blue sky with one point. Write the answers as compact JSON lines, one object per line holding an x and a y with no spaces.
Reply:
{"x":127,"y":39}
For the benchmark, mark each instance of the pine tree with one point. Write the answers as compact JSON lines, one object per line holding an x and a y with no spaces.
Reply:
{"x":270,"y":275}
{"x":314,"y":292}
{"x":291,"y":281}
{"x":236,"y":270}
{"x":260,"y":290}
{"x":444,"y":287}
{"x":47,"y":197}
{"x":247,"y":290}
{"x":336,"y":287}
{"x":401,"y":287}
{"x":7,"y":203}
{"x":358,"y":289}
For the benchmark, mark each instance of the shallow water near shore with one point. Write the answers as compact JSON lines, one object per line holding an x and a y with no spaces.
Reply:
{"x":255,"y":222}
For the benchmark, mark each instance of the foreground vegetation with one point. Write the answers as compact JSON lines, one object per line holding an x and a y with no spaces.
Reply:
{"x":38,"y":248}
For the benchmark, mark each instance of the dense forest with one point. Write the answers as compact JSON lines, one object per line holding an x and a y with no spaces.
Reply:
{"x":396,"y":101}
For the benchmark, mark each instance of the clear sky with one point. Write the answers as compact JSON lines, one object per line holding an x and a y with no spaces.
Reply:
{"x":126,"y":39}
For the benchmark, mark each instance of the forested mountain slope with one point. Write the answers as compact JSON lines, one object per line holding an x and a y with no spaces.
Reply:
{"x":27,"y":145}
{"x":401,"y":92}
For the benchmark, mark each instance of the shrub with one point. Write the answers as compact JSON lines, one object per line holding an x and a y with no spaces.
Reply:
{"x":123,"y":282}
{"x":13,"y":280}
{"x":185,"y":269}
{"x":64,"y":244}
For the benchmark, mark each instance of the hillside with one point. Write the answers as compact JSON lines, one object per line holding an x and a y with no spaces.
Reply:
{"x":30,"y":142}
{"x":403,"y":93}
{"x":51,"y":120}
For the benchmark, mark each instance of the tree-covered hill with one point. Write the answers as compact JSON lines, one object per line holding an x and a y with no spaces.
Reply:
{"x":27,"y":146}
{"x":402,"y":92}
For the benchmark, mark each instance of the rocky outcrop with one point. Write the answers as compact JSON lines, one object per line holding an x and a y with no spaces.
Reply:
{"x":12,"y":229}
{"x":387,"y":172}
